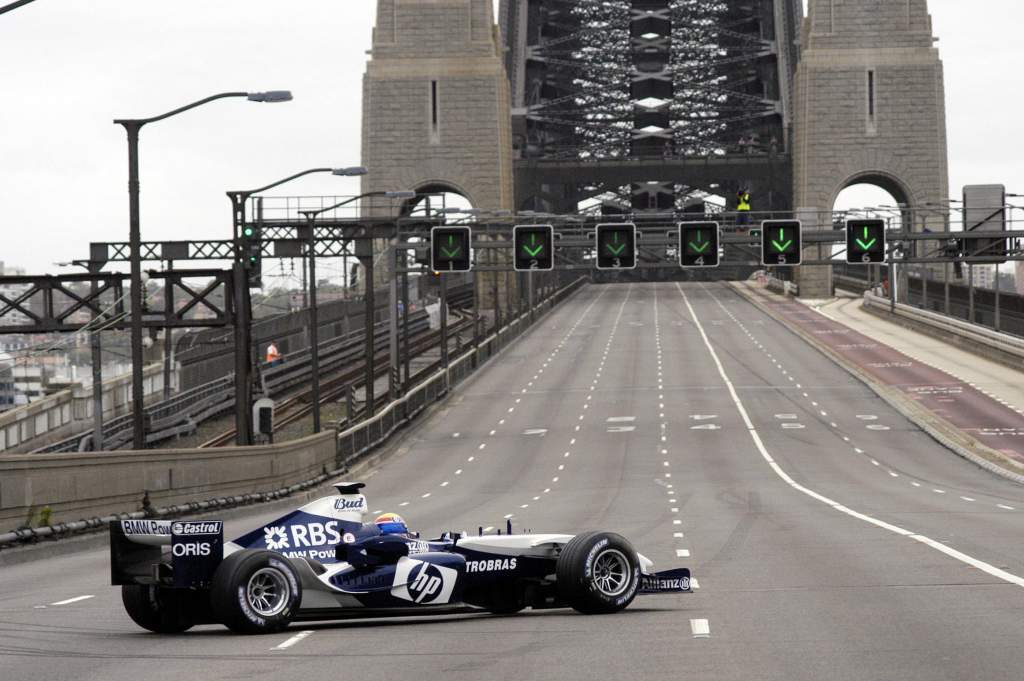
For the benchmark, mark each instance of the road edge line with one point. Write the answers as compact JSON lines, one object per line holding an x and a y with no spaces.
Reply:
{"x":967,"y":559}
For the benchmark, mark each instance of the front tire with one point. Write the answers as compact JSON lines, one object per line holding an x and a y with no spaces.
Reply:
{"x":598,"y":573}
{"x":160,"y":610}
{"x":255,"y":592}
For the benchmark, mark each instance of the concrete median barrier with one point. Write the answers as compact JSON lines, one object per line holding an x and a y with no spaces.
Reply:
{"x":81,"y":484}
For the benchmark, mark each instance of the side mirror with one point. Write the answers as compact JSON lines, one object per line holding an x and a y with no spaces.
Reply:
{"x":383,"y":550}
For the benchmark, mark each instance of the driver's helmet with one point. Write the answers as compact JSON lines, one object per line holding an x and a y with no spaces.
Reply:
{"x":391,"y":523}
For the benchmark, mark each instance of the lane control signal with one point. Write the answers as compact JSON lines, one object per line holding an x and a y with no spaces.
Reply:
{"x":781,"y":242}
{"x":534,"y":248}
{"x":616,"y":246}
{"x":865,"y":241}
{"x":450,"y":249}
{"x":699,"y":244}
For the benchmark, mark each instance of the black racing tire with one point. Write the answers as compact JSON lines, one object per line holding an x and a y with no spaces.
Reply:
{"x":255,"y":592}
{"x":598,"y":573}
{"x":158,"y":609}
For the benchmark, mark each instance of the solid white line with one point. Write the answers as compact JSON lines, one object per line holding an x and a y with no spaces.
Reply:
{"x":293,"y":640}
{"x":953,"y":553}
{"x":700,"y":628}
{"x":74,"y":600}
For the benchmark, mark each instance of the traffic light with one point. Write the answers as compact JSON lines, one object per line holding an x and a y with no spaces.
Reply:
{"x":450,"y":249}
{"x":534,"y":247}
{"x":616,"y":246}
{"x":781,"y":242}
{"x":699,"y":244}
{"x":252,"y":254}
{"x":865,"y":241}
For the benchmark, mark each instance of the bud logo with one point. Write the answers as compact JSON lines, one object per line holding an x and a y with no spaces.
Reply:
{"x":349,"y":504}
{"x":193,"y":528}
{"x":421,"y":582}
{"x":302,"y":536}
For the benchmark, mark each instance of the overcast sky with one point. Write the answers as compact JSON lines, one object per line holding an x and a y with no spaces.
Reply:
{"x":69,"y":67}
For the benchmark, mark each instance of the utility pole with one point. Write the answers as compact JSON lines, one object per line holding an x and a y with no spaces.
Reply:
{"x":97,"y":371}
{"x":168,"y":336}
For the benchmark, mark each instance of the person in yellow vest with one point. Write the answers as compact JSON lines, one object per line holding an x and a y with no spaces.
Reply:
{"x":743,"y":207}
{"x":273,"y":354}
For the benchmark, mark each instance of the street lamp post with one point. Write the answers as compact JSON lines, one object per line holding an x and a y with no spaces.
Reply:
{"x":132,"y":127}
{"x":314,"y":332}
{"x":243,"y":305}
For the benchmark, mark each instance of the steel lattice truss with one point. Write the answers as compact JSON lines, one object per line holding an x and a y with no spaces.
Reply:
{"x":624,"y":80}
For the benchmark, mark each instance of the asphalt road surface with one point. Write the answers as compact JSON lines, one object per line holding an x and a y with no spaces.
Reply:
{"x":830,"y":538}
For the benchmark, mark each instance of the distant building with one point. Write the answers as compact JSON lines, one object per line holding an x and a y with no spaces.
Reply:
{"x":13,"y":291}
{"x":7,"y":391}
{"x":985,"y":276}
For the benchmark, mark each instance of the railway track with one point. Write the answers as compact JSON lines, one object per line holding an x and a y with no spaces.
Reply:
{"x":299,"y":404}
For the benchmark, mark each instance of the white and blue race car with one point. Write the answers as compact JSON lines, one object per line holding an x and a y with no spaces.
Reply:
{"x":323,"y":562}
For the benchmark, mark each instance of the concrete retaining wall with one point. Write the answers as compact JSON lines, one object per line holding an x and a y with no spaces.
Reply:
{"x":78,"y":485}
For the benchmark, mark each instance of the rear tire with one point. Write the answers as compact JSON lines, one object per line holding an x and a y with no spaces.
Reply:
{"x":160,"y":610}
{"x":598,"y":573}
{"x":255,"y":592}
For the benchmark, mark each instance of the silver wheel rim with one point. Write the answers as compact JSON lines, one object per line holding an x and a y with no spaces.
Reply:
{"x":611,"y":572}
{"x":268,"y":592}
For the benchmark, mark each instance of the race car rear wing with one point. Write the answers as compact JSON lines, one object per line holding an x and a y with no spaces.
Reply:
{"x":178,"y":553}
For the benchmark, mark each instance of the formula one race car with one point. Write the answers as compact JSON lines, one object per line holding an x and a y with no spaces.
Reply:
{"x":323,"y":562}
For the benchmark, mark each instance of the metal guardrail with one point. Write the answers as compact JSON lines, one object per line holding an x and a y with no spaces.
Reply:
{"x":182,"y":413}
{"x":355,"y":441}
{"x":992,"y":339}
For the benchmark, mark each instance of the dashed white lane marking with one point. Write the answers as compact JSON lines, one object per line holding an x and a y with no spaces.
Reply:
{"x":915,"y":483}
{"x":1005,"y":507}
{"x":939,"y":491}
{"x":895,"y":529}
{"x":677,"y":535}
{"x":455,"y":434}
{"x":682,"y":553}
{"x":700,"y":628}
{"x":968,"y":499}
{"x":293,"y":640}
{"x":76,"y":599}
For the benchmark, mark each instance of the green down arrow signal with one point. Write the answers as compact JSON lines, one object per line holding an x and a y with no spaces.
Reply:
{"x":781,"y":248}
{"x":616,"y":251}
{"x":865,"y":245}
{"x":533,"y":252}
{"x":451,"y":252}
{"x":703,"y":245}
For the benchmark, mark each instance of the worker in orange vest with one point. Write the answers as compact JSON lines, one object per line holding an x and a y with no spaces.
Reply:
{"x":273,"y":354}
